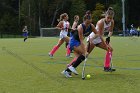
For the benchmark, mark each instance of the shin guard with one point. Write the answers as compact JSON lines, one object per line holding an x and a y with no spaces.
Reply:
{"x":78,"y":61}
{"x":108,"y":59}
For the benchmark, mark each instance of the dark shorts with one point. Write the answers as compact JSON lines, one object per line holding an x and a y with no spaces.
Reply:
{"x":73,"y":43}
{"x":25,"y":34}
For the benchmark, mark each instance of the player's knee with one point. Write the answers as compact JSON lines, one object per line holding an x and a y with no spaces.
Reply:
{"x":58,"y":45}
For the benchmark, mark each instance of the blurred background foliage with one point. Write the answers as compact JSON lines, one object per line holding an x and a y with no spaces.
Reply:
{"x":14,"y":14}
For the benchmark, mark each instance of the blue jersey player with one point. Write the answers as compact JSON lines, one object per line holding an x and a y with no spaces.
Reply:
{"x":25,"y":33}
{"x":77,"y":43}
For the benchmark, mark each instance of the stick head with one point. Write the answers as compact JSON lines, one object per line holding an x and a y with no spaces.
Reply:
{"x":83,"y":78}
{"x":85,"y":59}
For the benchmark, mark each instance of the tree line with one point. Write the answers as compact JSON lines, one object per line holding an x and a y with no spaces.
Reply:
{"x":14,"y":14}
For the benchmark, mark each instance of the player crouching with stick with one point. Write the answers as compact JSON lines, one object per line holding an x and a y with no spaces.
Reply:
{"x":102,"y":25}
{"x":77,"y":43}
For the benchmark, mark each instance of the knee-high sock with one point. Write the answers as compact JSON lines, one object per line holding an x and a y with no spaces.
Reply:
{"x":107,"y":59}
{"x":25,"y":39}
{"x":78,"y":61}
{"x":68,"y":50}
{"x":72,"y":62}
{"x":55,"y":48}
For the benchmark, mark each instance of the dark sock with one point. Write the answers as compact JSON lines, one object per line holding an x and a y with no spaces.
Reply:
{"x":78,"y":61}
{"x":70,"y":65}
{"x":67,"y":70}
{"x":73,"y":63}
{"x":25,"y":39}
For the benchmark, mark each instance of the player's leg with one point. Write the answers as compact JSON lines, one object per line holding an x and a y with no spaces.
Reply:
{"x":56,"y":47}
{"x":78,"y":53}
{"x":68,"y":51}
{"x":71,"y":63}
{"x":90,"y":46}
{"x":25,"y":39}
{"x":74,"y":59}
{"x":25,"y":34}
{"x":108,"y":57}
{"x":66,"y":44}
{"x":81,"y":56}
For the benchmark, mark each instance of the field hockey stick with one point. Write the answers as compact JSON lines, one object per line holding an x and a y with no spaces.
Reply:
{"x":83,"y":70}
{"x":111,"y":64}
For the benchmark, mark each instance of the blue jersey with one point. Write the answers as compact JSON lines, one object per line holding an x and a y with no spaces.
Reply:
{"x":86,"y":32}
{"x":74,"y":37}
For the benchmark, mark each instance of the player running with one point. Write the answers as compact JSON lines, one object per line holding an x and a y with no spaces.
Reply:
{"x":77,"y":43}
{"x":25,"y":33}
{"x":104,"y":24}
{"x":63,"y":25}
{"x":74,"y":27}
{"x":75,"y":23}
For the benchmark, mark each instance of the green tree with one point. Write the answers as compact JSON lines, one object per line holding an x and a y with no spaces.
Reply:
{"x":33,"y":12}
{"x":118,"y":15}
{"x":8,"y":17}
{"x":97,"y":13}
{"x":77,"y":8}
{"x":8,"y":24}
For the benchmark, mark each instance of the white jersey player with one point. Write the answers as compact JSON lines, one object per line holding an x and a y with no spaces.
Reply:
{"x":63,"y":25}
{"x":104,"y":24}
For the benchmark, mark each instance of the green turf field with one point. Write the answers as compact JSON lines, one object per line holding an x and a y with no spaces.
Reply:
{"x":26,"y":68}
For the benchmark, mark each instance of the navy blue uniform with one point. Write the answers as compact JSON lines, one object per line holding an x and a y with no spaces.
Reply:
{"x":74,"y":37}
{"x":25,"y":32}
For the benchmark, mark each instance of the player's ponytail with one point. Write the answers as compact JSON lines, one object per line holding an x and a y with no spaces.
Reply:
{"x":110,"y":8}
{"x":110,"y":11}
{"x":62,"y":16}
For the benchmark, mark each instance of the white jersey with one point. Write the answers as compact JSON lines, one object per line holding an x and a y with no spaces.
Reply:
{"x":64,"y":32}
{"x":98,"y":39}
{"x":106,"y":26}
{"x":25,"y":30}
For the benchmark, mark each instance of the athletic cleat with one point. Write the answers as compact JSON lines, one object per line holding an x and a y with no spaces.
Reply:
{"x":69,"y":56}
{"x":72,"y":69}
{"x":51,"y":55}
{"x":66,"y":74}
{"x":70,"y":73}
{"x":106,"y":69}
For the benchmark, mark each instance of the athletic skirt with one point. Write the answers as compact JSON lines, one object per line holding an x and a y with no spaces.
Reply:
{"x":25,"y":34}
{"x":73,"y":42}
{"x":94,"y":41}
{"x":63,"y":34}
